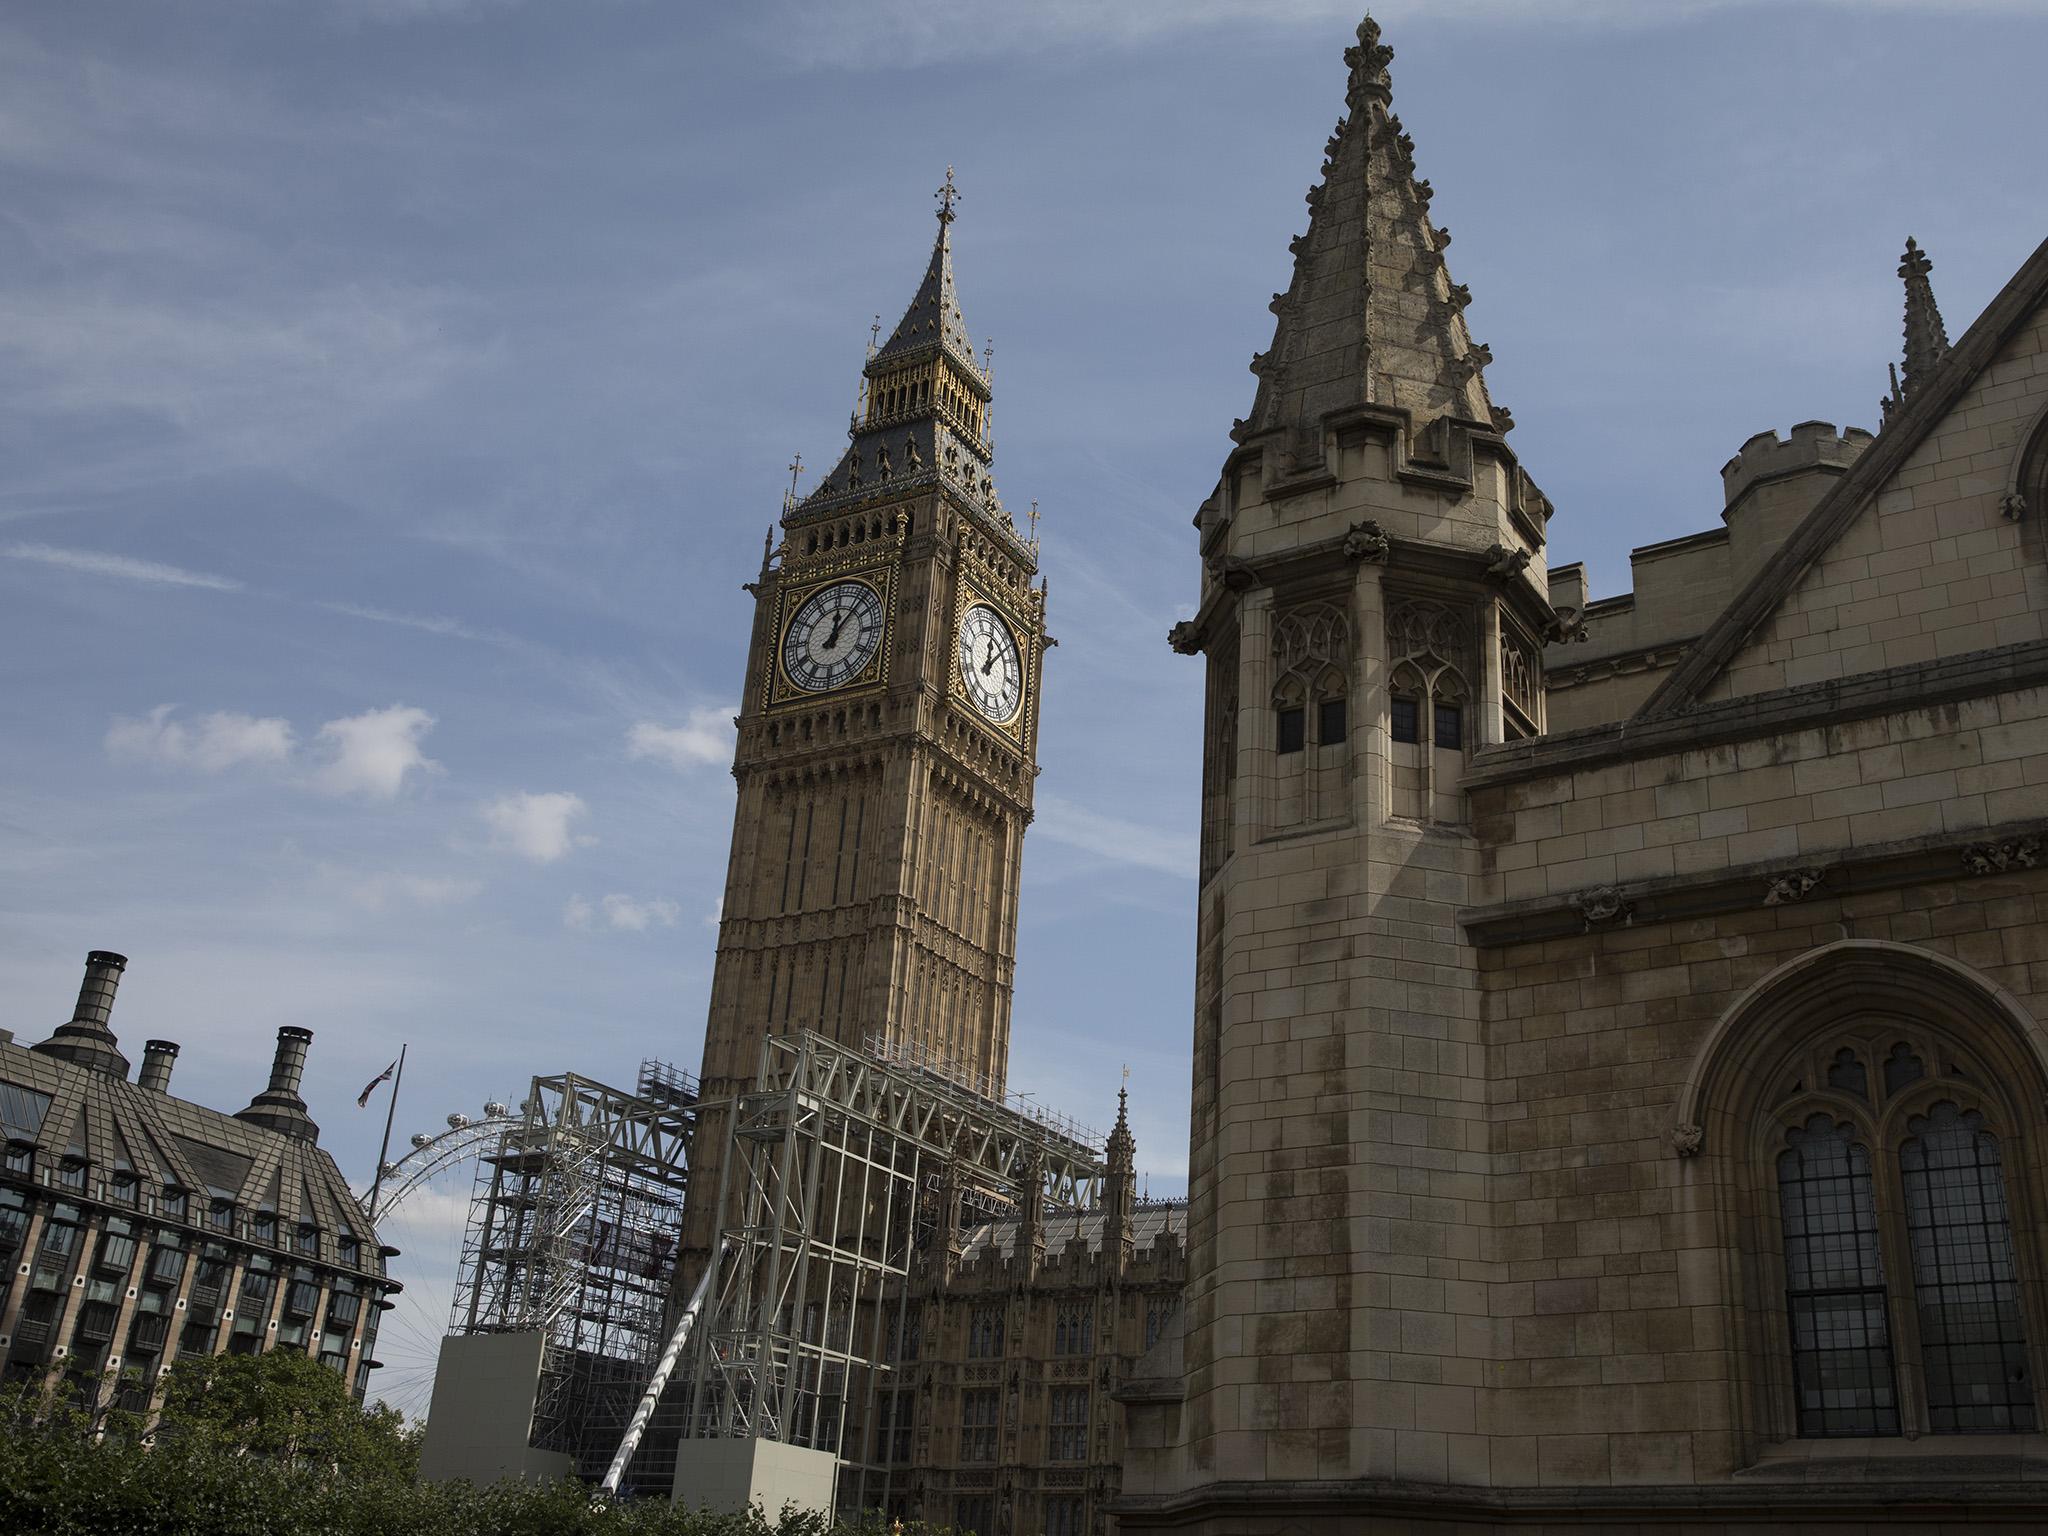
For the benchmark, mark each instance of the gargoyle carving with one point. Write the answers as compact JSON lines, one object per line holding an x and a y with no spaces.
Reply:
{"x":1602,"y":905}
{"x":1504,"y":564}
{"x":1367,"y":541}
{"x":1996,"y":858}
{"x":2012,"y":506}
{"x":1688,"y":1140}
{"x":1232,"y":573}
{"x":1795,"y":885}
{"x":1567,"y":627}
{"x":1185,"y":638}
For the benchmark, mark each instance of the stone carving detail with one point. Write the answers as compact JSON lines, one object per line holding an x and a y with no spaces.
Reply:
{"x":1367,"y":541}
{"x":1185,"y":638}
{"x":1311,"y":638}
{"x":1504,"y":564}
{"x":1503,"y":419}
{"x":2012,"y":506}
{"x":1567,"y":627}
{"x":1688,"y":1140}
{"x":1795,"y":885}
{"x":1602,"y":906}
{"x":1996,"y":858}
{"x":1232,"y":572}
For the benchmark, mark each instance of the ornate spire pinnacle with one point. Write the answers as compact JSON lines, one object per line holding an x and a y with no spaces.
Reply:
{"x":1371,"y":316}
{"x":1926,"y":336}
{"x":947,"y":195}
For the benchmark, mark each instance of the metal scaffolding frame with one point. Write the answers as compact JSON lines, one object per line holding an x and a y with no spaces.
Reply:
{"x":572,"y":1234}
{"x":839,"y":1166}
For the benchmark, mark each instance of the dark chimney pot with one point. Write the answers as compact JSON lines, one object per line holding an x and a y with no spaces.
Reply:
{"x":87,"y":1040}
{"x":157,"y":1059}
{"x":279,"y":1106}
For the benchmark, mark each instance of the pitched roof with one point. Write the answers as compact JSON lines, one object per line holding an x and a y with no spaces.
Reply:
{"x":1371,"y":315}
{"x":1831,"y":517}
{"x":934,"y":317}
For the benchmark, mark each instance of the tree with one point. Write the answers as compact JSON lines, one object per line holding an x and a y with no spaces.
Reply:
{"x":286,"y":1408}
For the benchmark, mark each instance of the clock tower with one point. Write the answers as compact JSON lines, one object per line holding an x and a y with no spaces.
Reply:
{"x":887,"y":742}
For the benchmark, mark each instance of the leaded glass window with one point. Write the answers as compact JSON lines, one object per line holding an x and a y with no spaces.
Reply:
{"x":1973,"y":1347}
{"x":1834,"y":1285}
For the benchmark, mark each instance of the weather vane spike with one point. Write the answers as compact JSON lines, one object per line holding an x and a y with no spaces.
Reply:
{"x":1034,"y":538}
{"x":874,"y":335}
{"x":947,"y":195}
{"x":795,"y":468}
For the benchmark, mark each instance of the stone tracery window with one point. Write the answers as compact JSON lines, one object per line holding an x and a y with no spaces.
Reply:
{"x":1900,"y":1284}
{"x":1311,"y":662}
{"x":1429,"y":705}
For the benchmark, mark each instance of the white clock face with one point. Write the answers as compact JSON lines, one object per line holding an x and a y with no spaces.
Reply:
{"x":989,"y":664}
{"x":833,"y":637}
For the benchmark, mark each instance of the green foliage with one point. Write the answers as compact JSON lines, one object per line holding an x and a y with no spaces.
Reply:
{"x":253,"y":1446}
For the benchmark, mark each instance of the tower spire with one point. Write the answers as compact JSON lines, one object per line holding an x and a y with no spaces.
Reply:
{"x":1926,"y":336}
{"x":1371,"y":316}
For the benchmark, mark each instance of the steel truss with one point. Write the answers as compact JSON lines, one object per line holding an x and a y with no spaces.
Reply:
{"x":572,"y":1234}
{"x":840,"y":1164}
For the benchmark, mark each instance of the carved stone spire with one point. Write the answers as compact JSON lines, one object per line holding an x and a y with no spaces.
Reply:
{"x":1371,"y":315}
{"x":1120,"y":1182}
{"x":1926,"y":336}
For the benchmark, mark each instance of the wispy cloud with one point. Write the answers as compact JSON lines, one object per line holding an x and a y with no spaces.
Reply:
{"x":425,"y":623}
{"x":1113,"y":838}
{"x":537,"y":826}
{"x":375,"y":893}
{"x":703,"y":739}
{"x":627,"y":914}
{"x":92,"y":562}
{"x":210,"y":744}
{"x":372,"y":754}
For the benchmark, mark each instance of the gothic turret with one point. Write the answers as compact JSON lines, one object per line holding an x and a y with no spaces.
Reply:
{"x":1371,"y":316}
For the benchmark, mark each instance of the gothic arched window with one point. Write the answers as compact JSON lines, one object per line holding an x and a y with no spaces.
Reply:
{"x":1428,"y":709}
{"x":1901,"y":1284}
{"x":1311,"y":724}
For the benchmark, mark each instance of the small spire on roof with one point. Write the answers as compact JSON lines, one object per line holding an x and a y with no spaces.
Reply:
{"x":1926,"y":337}
{"x":947,"y":196}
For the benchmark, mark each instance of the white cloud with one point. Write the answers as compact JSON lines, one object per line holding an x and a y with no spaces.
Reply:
{"x":536,"y":826}
{"x":627,"y":914}
{"x":1114,"y":839}
{"x":704,"y":737}
{"x":92,"y":562}
{"x":210,"y":744}
{"x":370,"y":754}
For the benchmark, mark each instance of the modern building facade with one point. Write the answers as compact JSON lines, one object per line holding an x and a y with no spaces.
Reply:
{"x":137,"y":1228}
{"x":1620,"y":1081}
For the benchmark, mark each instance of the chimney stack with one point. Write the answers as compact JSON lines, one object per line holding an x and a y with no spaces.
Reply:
{"x":87,"y":1040}
{"x":157,"y":1059}
{"x":279,"y":1106}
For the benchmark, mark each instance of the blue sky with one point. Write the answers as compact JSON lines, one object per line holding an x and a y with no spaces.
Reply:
{"x":394,"y":393}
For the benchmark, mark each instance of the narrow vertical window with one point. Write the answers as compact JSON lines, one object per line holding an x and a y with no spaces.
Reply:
{"x":1330,"y":723}
{"x":1834,"y":1285}
{"x":1966,"y":1294}
{"x":1406,"y":721}
{"x":1292,"y":729}
{"x":1449,"y":727}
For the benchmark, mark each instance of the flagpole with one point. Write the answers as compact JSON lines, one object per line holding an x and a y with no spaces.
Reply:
{"x":383,"y":1152}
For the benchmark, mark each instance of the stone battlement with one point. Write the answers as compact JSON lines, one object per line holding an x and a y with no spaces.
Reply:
{"x":1811,"y":445}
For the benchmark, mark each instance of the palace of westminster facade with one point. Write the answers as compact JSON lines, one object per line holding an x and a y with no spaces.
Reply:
{"x":1620,"y":1088}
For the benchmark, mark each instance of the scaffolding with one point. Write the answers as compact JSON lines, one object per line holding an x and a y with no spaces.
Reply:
{"x":572,"y":1235}
{"x":841,"y":1165}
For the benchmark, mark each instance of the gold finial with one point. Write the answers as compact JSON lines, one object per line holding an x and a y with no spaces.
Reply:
{"x":947,"y":195}
{"x":874,"y":337}
{"x":1034,"y":540}
{"x":795,"y":468}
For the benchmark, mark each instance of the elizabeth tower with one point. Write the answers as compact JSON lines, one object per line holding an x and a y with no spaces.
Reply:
{"x":886,"y":742}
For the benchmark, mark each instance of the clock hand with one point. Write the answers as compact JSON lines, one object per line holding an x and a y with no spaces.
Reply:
{"x":990,"y":663}
{"x":837,"y":624}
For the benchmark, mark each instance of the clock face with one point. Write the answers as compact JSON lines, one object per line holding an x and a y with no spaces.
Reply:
{"x":989,"y":664}
{"x":833,"y":637}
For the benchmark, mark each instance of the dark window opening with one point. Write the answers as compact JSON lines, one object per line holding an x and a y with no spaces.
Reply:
{"x":1292,"y":730}
{"x":1449,"y":727}
{"x":1407,"y":720}
{"x":1330,"y":723}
